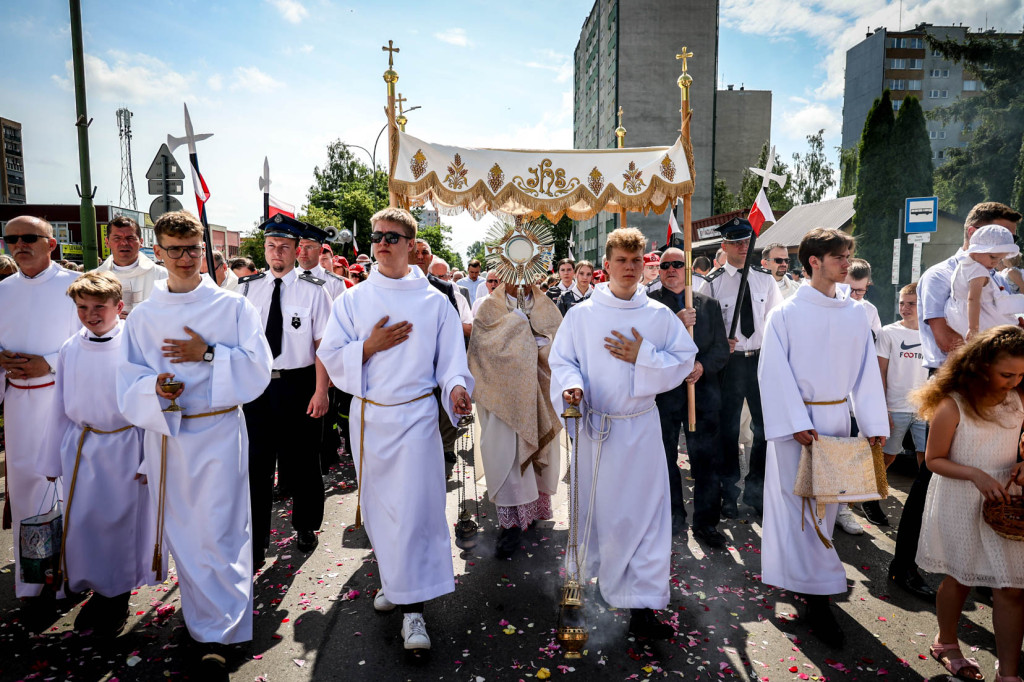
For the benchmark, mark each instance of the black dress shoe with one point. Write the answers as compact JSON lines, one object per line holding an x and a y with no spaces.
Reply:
{"x":508,"y":542}
{"x":307,"y":541}
{"x":679,"y":525}
{"x":449,"y":456}
{"x":643,"y":623}
{"x":822,"y":622}
{"x":730,"y":510}
{"x":911,"y":581}
{"x":710,"y":536}
{"x":874,"y":513}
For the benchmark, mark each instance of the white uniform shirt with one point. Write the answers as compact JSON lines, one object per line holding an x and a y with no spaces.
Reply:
{"x":305,"y":308}
{"x":335,"y":285}
{"x":723,"y":285}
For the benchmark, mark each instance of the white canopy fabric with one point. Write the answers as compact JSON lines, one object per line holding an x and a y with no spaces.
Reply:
{"x":529,"y":183}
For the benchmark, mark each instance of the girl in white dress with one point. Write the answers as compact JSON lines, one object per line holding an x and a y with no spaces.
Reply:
{"x":974,"y":406}
{"x":978,"y":300}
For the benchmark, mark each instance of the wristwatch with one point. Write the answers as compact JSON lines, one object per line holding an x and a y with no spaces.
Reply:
{"x":208,"y":355}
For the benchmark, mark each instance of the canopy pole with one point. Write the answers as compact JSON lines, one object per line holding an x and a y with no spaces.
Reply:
{"x":684,"y":81}
{"x":391,"y":77}
{"x":620,"y":134}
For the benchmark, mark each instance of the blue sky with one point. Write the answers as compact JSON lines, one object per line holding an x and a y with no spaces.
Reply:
{"x":283,"y":78}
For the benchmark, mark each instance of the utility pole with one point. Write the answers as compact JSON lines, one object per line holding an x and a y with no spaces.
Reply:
{"x":87,"y":212}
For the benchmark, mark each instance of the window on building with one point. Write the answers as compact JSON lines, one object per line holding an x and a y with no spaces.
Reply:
{"x":896,"y":104}
{"x":916,"y":43}
{"x":938,"y":94}
{"x":937,"y":134}
{"x":897,"y":63}
{"x":970,"y":86}
{"x":939,"y":73}
{"x":897,"y":84}
{"x":913,"y":85}
{"x":914,"y":63}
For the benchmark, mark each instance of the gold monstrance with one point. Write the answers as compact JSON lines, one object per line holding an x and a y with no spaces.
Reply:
{"x":518,"y":252}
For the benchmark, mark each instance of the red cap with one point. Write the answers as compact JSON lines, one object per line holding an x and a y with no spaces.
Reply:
{"x":326,"y":249}
{"x":356,"y":269}
{"x":651,"y":258}
{"x":340,"y":260}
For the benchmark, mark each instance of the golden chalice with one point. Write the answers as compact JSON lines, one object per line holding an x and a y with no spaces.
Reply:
{"x":172,"y":386}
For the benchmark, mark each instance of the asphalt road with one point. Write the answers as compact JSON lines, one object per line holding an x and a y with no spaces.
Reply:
{"x":315,"y":619}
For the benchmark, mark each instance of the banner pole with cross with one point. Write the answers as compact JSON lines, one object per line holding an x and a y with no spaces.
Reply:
{"x":684,"y":82}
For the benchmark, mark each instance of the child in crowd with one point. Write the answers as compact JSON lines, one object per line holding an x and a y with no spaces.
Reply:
{"x":978,"y":300}
{"x":974,"y":406}
{"x":108,"y":528}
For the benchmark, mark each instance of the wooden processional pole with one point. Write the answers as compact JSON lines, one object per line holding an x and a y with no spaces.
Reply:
{"x":391,"y":77}
{"x":620,"y":134}
{"x":684,"y":81}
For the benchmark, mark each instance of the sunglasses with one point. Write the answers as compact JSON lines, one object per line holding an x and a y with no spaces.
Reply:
{"x":492,"y":281}
{"x":27,"y":238}
{"x":780,"y":261}
{"x":675,"y":264}
{"x":389,"y":237}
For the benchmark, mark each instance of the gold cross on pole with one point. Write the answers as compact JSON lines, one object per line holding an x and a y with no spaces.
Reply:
{"x":400,"y":100}
{"x":684,"y":56}
{"x":620,"y":117}
{"x":391,"y":50}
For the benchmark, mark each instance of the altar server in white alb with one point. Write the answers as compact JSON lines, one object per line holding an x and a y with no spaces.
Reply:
{"x":818,"y":355}
{"x":36,"y":318}
{"x":616,"y":351}
{"x":196,"y":460}
{"x":389,"y":342}
{"x":108,"y":525}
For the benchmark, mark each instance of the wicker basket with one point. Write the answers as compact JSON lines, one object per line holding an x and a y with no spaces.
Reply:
{"x":1005,"y":518}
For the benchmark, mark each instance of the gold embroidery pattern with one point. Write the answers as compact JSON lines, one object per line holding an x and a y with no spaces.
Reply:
{"x":668,"y":169}
{"x":495,"y":178}
{"x":456,"y":178}
{"x":595,"y":181}
{"x":633,"y":183}
{"x":550,"y":183}
{"x":418,"y":165}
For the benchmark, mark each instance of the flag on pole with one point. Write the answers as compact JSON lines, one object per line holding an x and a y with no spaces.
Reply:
{"x":199,"y":184}
{"x":276,"y":206}
{"x":568,"y":248}
{"x":355,"y":243}
{"x":760,"y":213}
{"x":673,"y":228}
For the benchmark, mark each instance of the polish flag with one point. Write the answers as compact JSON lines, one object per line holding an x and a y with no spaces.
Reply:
{"x":277,"y":206}
{"x":673,"y":228}
{"x":355,"y":243}
{"x":760,"y":213}
{"x":199,"y":184}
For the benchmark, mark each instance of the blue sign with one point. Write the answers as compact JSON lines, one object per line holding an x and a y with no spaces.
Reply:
{"x":148,"y":250}
{"x":921,"y":215}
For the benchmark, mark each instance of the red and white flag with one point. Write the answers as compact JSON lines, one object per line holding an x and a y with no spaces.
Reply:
{"x":355,"y":242}
{"x":673,"y":228}
{"x":760,"y":213}
{"x":276,"y":206}
{"x":199,"y":184}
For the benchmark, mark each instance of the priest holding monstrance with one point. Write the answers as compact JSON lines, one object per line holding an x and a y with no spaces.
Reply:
{"x":508,"y":356}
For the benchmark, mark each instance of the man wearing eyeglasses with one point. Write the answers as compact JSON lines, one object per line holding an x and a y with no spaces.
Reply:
{"x":390,"y":342}
{"x":136,"y":271}
{"x":284,"y":423}
{"x":194,"y":460}
{"x":37,"y":318}
{"x":775,"y":259}
{"x":703,"y":445}
{"x":491,"y":281}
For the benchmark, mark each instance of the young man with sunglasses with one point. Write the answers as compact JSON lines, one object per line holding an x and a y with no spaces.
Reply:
{"x":390,"y":342}
{"x":704,"y":444}
{"x":196,"y":459}
{"x":775,"y":259}
{"x":37,"y":318}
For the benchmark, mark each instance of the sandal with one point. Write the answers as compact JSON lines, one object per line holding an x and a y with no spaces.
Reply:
{"x":960,"y":668}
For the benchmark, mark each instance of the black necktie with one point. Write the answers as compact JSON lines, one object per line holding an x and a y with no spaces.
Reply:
{"x":307,"y":272}
{"x":275,"y":320}
{"x":747,"y":314}
{"x":100,"y":339}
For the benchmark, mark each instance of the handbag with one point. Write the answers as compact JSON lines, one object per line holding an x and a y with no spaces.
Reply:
{"x":39,"y":541}
{"x":835,"y":470}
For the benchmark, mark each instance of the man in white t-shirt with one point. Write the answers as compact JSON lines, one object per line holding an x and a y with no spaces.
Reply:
{"x":901,"y":362}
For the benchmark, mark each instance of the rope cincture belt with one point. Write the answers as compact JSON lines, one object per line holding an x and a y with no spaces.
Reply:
{"x":824,"y":402}
{"x":162,"y":498}
{"x":71,"y":496}
{"x":362,"y":432}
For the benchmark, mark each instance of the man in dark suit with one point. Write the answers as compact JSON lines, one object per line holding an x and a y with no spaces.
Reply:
{"x":703,"y":444}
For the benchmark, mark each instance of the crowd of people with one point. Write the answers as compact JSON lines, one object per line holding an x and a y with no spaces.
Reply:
{"x":383,"y":358}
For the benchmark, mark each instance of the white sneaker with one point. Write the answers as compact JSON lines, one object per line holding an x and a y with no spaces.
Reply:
{"x":414,"y":631}
{"x":381,"y":602}
{"x":848,"y":522}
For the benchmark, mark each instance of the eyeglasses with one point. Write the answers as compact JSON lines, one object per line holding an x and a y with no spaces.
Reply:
{"x":176,"y":252}
{"x":780,"y":261}
{"x":27,"y":238}
{"x":859,"y":292}
{"x":674,"y":264}
{"x":389,"y":237}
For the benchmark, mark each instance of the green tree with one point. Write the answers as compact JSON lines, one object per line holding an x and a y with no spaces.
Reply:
{"x":1018,"y":183}
{"x":877,"y":202}
{"x":476,"y":250}
{"x":912,"y":152}
{"x":848,"y":171}
{"x":813,"y":173}
{"x":779,"y":198}
{"x":987,"y":169}
{"x":560,"y":231}
{"x":722,"y":200}
{"x":251,"y":245}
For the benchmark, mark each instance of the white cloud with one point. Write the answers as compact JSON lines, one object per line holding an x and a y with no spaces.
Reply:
{"x":128,"y":78}
{"x":809,"y":119}
{"x":215,"y":83}
{"x":291,"y":11}
{"x":301,"y":49}
{"x":454,"y":36}
{"x":560,"y":64}
{"x":252,"y":79}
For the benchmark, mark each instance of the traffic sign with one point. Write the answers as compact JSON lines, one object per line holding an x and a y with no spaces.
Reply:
{"x":921,"y":215}
{"x":164,"y":167}
{"x":159,"y":186}
{"x":163,"y":204}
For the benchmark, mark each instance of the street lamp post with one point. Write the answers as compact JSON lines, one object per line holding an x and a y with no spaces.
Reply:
{"x":373,"y":155}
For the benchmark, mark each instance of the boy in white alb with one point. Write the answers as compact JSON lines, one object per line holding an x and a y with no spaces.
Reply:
{"x":901,"y":362}
{"x":108,"y":526}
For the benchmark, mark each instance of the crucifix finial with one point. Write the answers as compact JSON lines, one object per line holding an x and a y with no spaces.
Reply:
{"x":684,"y":56}
{"x":400,"y":100}
{"x":620,"y":116}
{"x":391,"y":50}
